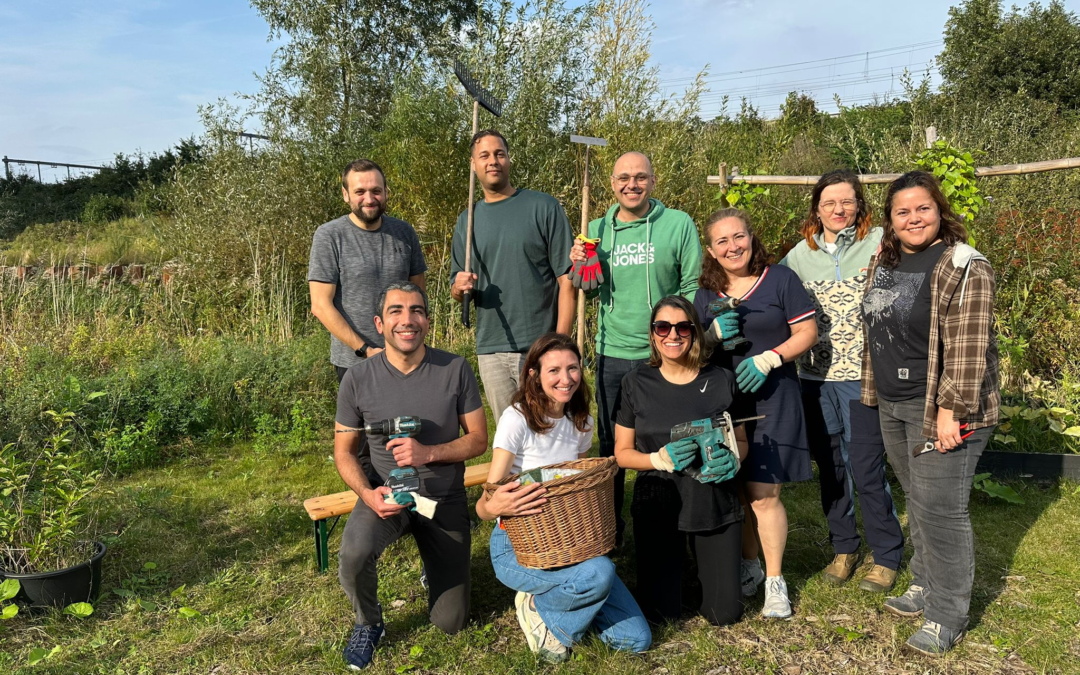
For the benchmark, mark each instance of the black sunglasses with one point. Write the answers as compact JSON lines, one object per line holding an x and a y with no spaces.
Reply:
{"x":663,"y":328}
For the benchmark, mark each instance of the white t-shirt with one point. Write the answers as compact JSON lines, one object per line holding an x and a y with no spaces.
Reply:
{"x":562,"y":443}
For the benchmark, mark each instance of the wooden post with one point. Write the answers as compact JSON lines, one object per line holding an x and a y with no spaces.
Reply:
{"x":931,"y":136}
{"x":723,"y":176}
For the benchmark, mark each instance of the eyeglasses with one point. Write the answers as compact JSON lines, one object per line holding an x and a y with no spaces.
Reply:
{"x":663,"y":328}
{"x":623,"y":178}
{"x":847,"y":204}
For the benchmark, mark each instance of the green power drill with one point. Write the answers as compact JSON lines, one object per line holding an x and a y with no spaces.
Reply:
{"x":724,"y":304}
{"x":721,"y":421}
{"x":403,"y":478}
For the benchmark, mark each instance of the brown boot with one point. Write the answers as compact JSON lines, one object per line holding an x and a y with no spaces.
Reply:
{"x":841,"y":568}
{"x":878,"y":580}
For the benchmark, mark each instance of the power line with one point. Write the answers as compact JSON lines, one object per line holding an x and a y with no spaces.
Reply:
{"x":829,"y":60}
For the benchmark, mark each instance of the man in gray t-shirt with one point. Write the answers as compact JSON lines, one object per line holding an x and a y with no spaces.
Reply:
{"x":353,"y":258}
{"x":519,"y":269}
{"x":408,"y":378}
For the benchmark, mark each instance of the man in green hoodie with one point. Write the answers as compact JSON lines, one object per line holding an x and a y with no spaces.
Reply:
{"x":646,"y":252}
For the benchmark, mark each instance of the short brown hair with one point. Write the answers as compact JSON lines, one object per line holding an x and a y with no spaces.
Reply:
{"x":713,"y":276}
{"x":951,"y":229}
{"x":360,"y":166}
{"x":697,"y":354}
{"x":530,"y":398}
{"x":813,"y":226}
{"x":488,"y":132}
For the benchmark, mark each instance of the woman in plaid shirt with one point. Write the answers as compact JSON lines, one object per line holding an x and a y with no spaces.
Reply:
{"x":931,"y":366}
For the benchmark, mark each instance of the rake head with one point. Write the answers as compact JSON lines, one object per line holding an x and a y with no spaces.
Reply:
{"x":482,"y":96}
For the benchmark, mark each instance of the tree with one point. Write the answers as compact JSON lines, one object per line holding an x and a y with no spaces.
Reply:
{"x":1034,"y":50}
{"x":336,"y":72}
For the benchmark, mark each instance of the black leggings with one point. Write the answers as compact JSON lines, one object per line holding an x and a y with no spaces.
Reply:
{"x":660,"y":548}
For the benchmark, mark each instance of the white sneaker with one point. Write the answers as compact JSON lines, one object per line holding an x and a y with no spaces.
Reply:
{"x":751,"y":576}
{"x":541,"y":640}
{"x":777,"y":605}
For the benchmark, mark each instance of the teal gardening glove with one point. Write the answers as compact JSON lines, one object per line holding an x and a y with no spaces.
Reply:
{"x":683,"y":452}
{"x":752,"y":372}
{"x":719,"y":463}
{"x":725,"y":326}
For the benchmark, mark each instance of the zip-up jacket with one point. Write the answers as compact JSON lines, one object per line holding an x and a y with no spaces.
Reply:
{"x":642,"y":260}
{"x":962,"y":368}
{"x":835,"y":282}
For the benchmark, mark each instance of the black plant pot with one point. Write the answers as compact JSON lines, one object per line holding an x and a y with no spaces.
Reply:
{"x":80,"y":583}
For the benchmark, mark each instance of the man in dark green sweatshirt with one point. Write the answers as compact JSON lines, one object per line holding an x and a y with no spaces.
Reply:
{"x":646,"y":251}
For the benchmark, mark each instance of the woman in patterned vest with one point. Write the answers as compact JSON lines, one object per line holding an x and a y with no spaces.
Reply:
{"x":844,"y":435}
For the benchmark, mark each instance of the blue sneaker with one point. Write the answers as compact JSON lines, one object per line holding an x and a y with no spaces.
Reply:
{"x":362,"y":643}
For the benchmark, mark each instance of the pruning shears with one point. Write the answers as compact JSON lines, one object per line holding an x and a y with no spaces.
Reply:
{"x":929,"y":445}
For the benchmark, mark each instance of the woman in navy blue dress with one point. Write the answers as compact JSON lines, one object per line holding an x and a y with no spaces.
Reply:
{"x":776,"y":316}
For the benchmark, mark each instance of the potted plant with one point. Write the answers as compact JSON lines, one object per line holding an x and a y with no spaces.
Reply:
{"x":45,"y":523}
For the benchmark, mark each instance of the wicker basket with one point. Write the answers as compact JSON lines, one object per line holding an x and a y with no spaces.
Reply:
{"x":578,"y":520}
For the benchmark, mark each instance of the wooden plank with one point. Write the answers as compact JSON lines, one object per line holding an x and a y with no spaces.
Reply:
{"x":881,"y":178}
{"x":340,"y":503}
{"x":1029,"y":167}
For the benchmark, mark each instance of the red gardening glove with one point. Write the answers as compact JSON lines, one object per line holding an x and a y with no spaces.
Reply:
{"x":587,"y":275}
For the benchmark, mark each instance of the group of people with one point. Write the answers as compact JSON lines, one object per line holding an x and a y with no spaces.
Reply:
{"x":862,"y":343}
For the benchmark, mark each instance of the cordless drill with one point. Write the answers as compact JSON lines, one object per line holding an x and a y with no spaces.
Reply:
{"x":716,"y":307}
{"x":403,"y":478}
{"x":722,"y":422}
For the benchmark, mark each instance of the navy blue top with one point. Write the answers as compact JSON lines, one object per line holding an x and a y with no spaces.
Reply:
{"x":766,"y":314}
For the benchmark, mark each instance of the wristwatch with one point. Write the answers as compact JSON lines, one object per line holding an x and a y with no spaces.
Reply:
{"x":362,"y":351}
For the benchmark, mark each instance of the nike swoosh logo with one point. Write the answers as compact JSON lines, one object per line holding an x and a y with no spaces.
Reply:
{"x":705,"y":387}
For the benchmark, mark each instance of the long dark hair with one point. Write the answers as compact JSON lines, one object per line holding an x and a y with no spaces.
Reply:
{"x":951,"y":232}
{"x":713,"y":276}
{"x":530,"y":397}
{"x":697,"y":354}
{"x":813,"y":226}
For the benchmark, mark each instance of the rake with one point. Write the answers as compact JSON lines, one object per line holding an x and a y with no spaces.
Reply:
{"x":481,"y":97}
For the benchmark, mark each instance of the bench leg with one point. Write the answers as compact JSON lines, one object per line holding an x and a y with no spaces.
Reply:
{"x":322,"y":554}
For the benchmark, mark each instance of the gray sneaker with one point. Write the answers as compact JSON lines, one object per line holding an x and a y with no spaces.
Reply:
{"x":541,"y":640}
{"x":911,"y":603}
{"x":777,"y":605}
{"x":751,"y":577}
{"x":933,"y":639}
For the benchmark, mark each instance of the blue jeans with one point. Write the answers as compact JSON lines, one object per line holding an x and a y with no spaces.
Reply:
{"x":573,"y":599}
{"x":845,"y":441}
{"x":937,"y":486}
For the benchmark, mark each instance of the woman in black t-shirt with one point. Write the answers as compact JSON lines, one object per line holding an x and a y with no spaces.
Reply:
{"x":677,"y":494}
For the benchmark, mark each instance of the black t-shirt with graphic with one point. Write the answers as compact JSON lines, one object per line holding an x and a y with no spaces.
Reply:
{"x":651,"y":406}
{"x":897,"y":314}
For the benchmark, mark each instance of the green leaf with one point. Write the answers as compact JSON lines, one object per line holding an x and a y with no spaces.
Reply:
{"x":123,"y":592}
{"x":1000,"y":491}
{"x":1010,"y":410}
{"x":179,"y":591}
{"x":9,"y":612}
{"x":980,"y":477}
{"x":79,"y":609}
{"x":404,"y":668}
{"x":1056,"y":427}
{"x":147,"y":605}
{"x":96,"y":394}
{"x":1072,"y":431}
{"x":733,"y":198}
{"x":9,"y":589}
{"x":189,"y":613}
{"x":36,"y":654}
{"x":416,"y":651}
{"x":149,"y":566}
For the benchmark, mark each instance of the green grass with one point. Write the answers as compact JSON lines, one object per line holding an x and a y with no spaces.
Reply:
{"x":229,"y":530}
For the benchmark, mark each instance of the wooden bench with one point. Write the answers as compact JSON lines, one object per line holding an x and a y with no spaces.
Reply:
{"x":321,"y":509}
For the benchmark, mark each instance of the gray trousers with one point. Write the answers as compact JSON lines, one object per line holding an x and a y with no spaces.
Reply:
{"x":444,"y":543}
{"x":500,"y":373}
{"x":937,"y":487}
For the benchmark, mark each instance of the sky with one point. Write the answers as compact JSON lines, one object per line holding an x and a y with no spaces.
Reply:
{"x":83,"y":80}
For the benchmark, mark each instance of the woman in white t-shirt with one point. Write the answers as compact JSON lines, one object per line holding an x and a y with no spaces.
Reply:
{"x":548,"y":422}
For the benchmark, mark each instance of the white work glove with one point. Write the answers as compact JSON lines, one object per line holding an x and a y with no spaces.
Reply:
{"x":661,"y":461}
